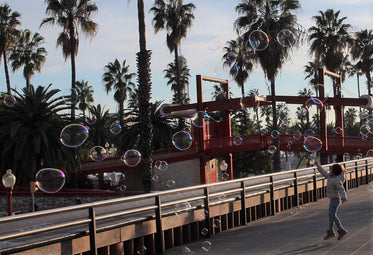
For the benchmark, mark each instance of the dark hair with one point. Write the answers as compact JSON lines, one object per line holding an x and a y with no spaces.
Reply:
{"x":337,"y":169}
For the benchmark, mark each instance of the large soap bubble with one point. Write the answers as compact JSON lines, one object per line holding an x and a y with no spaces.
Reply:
{"x":312,"y":144}
{"x":285,"y":38}
{"x":182,"y":140}
{"x":131,"y":158}
{"x":74,"y":135}
{"x":258,"y":40}
{"x":50,"y":180}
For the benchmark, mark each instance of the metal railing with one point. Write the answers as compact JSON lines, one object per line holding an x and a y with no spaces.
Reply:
{"x":17,"y":232}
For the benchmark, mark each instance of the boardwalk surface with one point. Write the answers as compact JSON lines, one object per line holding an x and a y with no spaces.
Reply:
{"x":297,"y":231}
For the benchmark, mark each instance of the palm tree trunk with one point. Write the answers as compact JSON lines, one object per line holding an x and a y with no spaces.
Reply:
{"x":276,"y":163}
{"x":178,"y":85}
{"x":146,"y":132}
{"x":73,"y":69}
{"x":121,"y":109}
{"x":6,"y":73}
{"x":369,"y":83}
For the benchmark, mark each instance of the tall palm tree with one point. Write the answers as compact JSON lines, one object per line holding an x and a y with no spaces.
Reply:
{"x":329,"y":39}
{"x":85,"y":95}
{"x":29,"y":134}
{"x":176,"y":18}
{"x":8,"y":35}
{"x":171,"y":76}
{"x":144,"y":94}
{"x":271,"y":17}
{"x":116,"y":77}
{"x":239,"y":60}
{"x":29,"y":53}
{"x":73,"y":16}
{"x":362,"y":52}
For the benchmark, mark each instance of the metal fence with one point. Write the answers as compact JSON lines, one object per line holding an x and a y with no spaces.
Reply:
{"x":31,"y":230}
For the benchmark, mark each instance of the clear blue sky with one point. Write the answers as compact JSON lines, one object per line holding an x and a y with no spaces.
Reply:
{"x":117,"y":37}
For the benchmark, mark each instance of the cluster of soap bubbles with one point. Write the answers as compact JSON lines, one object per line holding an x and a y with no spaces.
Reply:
{"x":223,"y":166}
{"x":159,"y":167}
{"x":366,"y":128}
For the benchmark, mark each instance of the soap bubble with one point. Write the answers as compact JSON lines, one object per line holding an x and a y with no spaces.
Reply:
{"x":115,"y":128}
{"x":182,"y":140}
{"x":171,"y":183}
{"x":272,"y":149}
{"x":214,"y":43}
{"x":275,"y":134}
{"x":50,"y":180}
{"x":90,"y":120}
{"x":217,"y":223}
{"x":206,"y":245}
{"x":155,"y":178}
{"x":346,"y":156}
{"x":74,"y":135}
{"x":369,"y":153}
{"x":338,"y":130}
{"x":223,"y":165}
{"x":225,"y":176}
{"x":308,"y":132}
{"x":297,"y":135}
{"x":98,"y":153}
{"x":258,"y":40}
{"x":199,"y":119}
{"x":237,"y":140}
{"x":204,"y":231}
{"x":161,"y":165}
{"x":131,"y":158}
{"x":70,"y":96}
{"x":9,"y":100}
{"x":141,"y":250}
{"x":285,"y":38}
{"x":122,"y":187}
{"x":313,"y":101}
{"x":312,"y":144}
{"x":231,"y":56}
{"x":364,"y":130}
{"x":186,"y":250}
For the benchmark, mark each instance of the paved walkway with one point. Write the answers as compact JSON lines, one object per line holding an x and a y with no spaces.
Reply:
{"x":297,"y":231}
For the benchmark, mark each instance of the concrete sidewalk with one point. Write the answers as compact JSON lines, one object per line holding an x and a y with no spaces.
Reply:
{"x":297,"y":231}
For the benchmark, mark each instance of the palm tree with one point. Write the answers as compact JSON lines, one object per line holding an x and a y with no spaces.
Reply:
{"x":329,"y":39}
{"x":99,"y":130}
{"x":362,"y":51}
{"x":72,"y":16}
{"x":305,"y":93}
{"x":29,"y":134}
{"x":85,"y":95}
{"x":239,"y":61}
{"x":271,"y":17}
{"x":171,"y":76}
{"x":176,"y":18}
{"x":144,"y":93}
{"x":8,"y":35}
{"x":27,"y":52}
{"x":116,"y":77}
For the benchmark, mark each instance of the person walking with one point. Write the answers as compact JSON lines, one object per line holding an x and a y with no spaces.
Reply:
{"x":337,"y":195}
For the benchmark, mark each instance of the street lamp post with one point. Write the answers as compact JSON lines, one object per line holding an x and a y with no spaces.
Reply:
{"x":8,"y":181}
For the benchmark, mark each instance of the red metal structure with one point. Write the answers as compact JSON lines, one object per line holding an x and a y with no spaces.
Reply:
{"x":214,"y":138}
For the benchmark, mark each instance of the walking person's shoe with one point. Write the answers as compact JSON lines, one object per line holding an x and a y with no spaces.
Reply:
{"x":341,"y":233}
{"x":329,"y":234}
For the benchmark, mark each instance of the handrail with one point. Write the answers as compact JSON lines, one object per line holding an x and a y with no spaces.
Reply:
{"x":163,"y":199}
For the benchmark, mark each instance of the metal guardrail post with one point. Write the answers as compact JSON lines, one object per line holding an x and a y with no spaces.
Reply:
{"x":272,"y":195}
{"x":296,"y":193}
{"x":92,"y":231}
{"x":206,"y":203}
{"x":159,"y":239}
{"x":356,"y":176}
{"x":314,"y":186}
{"x":366,"y":172}
{"x":243,"y":204}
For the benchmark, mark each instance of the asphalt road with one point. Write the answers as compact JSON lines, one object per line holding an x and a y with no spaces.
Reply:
{"x":297,"y":231}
